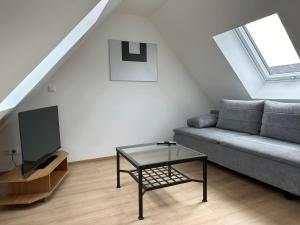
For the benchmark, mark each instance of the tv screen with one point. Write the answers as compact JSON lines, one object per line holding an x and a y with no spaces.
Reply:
{"x":40,"y":136}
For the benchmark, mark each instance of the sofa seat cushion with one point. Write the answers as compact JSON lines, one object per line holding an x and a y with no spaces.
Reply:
{"x":281,"y":121}
{"x":242,"y":116}
{"x":211,"y":134}
{"x":280,"y":151}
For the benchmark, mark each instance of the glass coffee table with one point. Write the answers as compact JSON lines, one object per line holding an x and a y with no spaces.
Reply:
{"x":153,"y":163}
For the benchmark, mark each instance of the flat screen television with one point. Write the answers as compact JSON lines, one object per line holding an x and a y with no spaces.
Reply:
{"x":40,"y":137}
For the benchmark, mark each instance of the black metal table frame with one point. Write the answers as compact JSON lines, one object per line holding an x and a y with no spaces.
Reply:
{"x":139,"y":178}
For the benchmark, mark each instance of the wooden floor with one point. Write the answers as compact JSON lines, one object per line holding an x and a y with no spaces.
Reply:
{"x":88,"y":196}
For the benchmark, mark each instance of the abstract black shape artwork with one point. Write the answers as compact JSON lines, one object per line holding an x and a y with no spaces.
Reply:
{"x":134,"y":57}
{"x":132,"y":61}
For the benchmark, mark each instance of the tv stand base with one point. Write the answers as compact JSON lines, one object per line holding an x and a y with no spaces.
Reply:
{"x":47,"y":162}
{"x":38,"y":186}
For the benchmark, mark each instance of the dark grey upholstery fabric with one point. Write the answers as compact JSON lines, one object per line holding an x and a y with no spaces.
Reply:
{"x":281,"y":151}
{"x":206,"y":120}
{"x":211,"y":134}
{"x":281,"y":121}
{"x":214,"y":111}
{"x":243,"y":116}
{"x":273,"y":172}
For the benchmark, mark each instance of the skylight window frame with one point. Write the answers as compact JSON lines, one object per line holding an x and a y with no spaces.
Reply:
{"x":259,"y":60}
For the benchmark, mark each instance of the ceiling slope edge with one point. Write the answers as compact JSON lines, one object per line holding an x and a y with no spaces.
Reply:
{"x":43,"y":71}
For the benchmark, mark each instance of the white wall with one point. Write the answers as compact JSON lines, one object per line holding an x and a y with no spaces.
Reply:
{"x":96,"y":114}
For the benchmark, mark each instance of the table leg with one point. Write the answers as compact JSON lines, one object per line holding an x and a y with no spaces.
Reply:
{"x":118,"y":170}
{"x":141,"y":217}
{"x":169,"y":166}
{"x":204,"y":180}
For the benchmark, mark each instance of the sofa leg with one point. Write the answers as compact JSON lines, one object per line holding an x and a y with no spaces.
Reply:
{"x":289,"y":196}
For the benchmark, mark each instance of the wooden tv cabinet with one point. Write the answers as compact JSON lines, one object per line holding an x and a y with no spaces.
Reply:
{"x":40,"y":185}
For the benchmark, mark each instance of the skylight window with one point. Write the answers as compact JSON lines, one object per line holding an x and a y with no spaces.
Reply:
{"x":269,"y":43}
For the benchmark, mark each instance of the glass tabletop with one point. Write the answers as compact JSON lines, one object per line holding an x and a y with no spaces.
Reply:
{"x":147,"y":154}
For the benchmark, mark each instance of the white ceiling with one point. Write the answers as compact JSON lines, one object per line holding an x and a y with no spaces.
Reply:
{"x":140,"y":7}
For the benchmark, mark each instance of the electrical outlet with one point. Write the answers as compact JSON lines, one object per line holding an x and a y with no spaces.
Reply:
{"x":11,"y":152}
{"x":51,"y":88}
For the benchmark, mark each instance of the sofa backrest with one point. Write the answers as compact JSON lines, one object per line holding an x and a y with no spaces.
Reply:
{"x":242,"y":116}
{"x":281,"y":121}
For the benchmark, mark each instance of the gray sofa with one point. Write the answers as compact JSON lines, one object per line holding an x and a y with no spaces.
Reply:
{"x":260,"y":139}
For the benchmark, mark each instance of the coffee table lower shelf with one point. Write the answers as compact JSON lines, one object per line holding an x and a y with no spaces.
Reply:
{"x":160,"y":177}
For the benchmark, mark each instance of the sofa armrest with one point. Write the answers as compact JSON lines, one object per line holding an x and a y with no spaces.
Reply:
{"x":205,"y":120}
{"x":214,"y":111}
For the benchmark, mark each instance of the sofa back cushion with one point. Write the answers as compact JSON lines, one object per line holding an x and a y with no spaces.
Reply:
{"x":242,"y":116}
{"x":281,"y":121}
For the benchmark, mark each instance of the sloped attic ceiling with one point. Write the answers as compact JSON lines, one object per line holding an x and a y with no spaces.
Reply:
{"x":190,"y":25}
{"x":290,"y":16}
{"x":25,"y":41}
{"x":259,"y":77}
{"x":140,"y":7}
{"x":50,"y":61}
{"x":187,"y":25}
